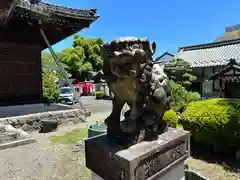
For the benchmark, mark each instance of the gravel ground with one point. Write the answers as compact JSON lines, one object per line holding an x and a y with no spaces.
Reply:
{"x":43,"y":161}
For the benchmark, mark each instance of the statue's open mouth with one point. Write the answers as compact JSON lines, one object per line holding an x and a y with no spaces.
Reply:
{"x":123,"y":72}
{"x":126,"y":60}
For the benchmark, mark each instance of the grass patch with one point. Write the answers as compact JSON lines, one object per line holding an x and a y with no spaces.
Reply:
{"x":71,"y":137}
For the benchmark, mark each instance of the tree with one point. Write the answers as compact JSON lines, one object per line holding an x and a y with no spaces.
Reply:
{"x":49,"y":62}
{"x":83,"y":58}
{"x":50,"y":86}
{"x":49,"y":78}
{"x":180,"y":72}
{"x":47,"y":59}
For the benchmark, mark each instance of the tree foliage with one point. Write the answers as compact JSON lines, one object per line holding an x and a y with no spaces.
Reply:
{"x":181,"y":97}
{"x":180,"y":72}
{"x":79,"y":61}
{"x":49,"y":78}
{"x":50,"y":86}
{"x":49,"y":62}
{"x":47,"y":59}
{"x":83,"y":57}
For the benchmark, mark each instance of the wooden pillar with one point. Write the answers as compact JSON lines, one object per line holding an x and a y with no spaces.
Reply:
{"x":221,"y":87}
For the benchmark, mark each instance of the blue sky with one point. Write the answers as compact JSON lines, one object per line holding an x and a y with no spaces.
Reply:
{"x":171,"y":23}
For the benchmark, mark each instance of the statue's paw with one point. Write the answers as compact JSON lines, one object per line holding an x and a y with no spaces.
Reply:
{"x":128,"y":127}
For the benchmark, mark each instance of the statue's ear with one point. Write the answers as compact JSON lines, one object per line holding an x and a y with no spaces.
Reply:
{"x":153,"y":47}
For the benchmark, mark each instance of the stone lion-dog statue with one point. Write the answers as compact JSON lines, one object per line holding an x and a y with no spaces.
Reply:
{"x":134,"y":78}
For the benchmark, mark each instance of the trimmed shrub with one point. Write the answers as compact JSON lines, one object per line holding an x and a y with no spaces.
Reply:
{"x":171,"y":117}
{"x":181,"y":97}
{"x":99,"y":94}
{"x":214,"y":123}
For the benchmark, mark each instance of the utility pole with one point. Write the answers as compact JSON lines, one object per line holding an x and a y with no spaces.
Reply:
{"x":60,"y":67}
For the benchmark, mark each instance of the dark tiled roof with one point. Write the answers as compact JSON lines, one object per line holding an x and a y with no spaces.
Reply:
{"x":166,"y":53}
{"x":46,"y":8}
{"x":211,"y":54}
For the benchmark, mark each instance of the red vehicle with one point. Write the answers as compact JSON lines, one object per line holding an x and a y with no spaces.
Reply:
{"x":86,"y":88}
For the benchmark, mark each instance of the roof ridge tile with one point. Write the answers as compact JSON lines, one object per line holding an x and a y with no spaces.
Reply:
{"x":209,"y":45}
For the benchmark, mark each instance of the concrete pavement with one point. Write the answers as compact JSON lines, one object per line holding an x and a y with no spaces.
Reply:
{"x":95,"y":106}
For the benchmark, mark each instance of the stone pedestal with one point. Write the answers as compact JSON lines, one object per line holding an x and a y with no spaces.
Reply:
{"x":96,"y":177}
{"x":161,"y":159}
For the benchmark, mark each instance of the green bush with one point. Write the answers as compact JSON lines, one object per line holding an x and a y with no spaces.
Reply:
{"x":171,"y":117}
{"x":181,"y":97}
{"x":50,"y":87}
{"x":99,"y":94}
{"x":214,"y":123}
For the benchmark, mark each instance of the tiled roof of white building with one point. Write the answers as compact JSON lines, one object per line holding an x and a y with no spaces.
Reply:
{"x":211,"y":54}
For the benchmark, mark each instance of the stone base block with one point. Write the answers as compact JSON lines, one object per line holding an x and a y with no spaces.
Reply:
{"x":154,"y":160}
{"x":36,"y":121}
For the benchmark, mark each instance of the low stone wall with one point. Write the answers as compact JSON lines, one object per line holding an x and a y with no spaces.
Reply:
{"x":34,"y":122}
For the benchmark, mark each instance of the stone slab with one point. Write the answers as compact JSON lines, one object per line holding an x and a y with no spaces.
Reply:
{"x":146,"y":160}
{"x":16,"y":143}
{"x":7,"y":136}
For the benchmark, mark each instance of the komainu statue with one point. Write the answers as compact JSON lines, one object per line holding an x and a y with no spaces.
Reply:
{"x":134,"y":79}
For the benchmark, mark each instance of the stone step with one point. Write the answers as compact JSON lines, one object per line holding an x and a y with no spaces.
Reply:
{"x":8,"y":136}
{"x":12,"y":137}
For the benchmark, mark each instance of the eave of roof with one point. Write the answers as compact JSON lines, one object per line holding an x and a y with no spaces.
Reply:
{"x":50,"y":9}
{"x":209,"y":45}
{"x":57,"y":22}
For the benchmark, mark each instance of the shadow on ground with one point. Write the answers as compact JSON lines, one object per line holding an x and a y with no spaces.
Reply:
{"x":227,"y":161}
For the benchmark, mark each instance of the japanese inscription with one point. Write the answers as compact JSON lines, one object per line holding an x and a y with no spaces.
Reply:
{"x":157,"y":162}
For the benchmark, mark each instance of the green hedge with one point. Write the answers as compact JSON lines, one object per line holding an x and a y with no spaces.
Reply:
{"x":172,"y":118}
{"x":99,"y":94}
{"x":181,"y":97}
{"x":214,"y":123}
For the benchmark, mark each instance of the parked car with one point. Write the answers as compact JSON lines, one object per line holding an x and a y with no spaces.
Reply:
{"x":68,"y":96}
